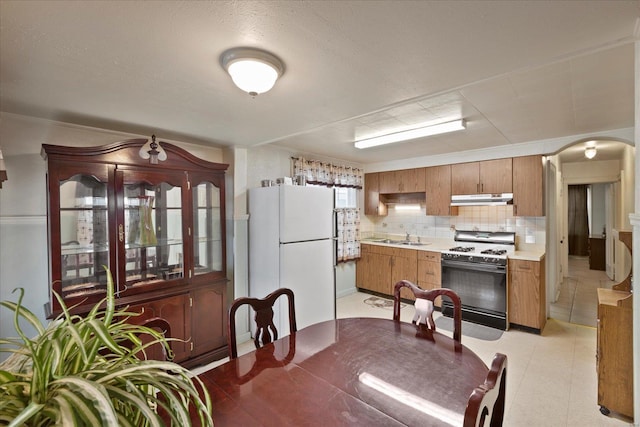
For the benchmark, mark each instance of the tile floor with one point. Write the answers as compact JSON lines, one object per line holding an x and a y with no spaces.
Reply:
{"x":578,"y":300}
{"x":551,"y":378}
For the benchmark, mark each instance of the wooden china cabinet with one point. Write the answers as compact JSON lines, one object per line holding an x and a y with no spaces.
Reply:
{"x":159,"y":228}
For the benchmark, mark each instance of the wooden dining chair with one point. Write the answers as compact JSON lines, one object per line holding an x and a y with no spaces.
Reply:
{"x":486,"y":403}
{"x":266,"y":331}
{"x":424,"y":306}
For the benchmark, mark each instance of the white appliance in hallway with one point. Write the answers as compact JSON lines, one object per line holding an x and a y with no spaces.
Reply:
{"x":291,"y":245}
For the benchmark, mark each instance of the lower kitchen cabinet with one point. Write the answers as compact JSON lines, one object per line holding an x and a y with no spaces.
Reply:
{"x":614,"y":363}
{"x":527,"y":294}
{"x":381,"y":267}
{"x":429,"y":273}
{"x":197,"y":319}
{"x":373,"y":269}
{"x":404,"y":266}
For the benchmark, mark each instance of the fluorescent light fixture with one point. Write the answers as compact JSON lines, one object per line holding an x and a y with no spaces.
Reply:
{"x":590,"y":152}
{"x":411,"y":207}
{"x":412,"y":134}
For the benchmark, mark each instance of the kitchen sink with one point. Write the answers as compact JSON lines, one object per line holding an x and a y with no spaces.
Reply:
{"x":400,"y":242}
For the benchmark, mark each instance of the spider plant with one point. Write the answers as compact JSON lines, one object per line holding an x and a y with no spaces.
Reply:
{"x":91,"y":370}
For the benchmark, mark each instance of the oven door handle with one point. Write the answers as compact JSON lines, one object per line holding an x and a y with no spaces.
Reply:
{"x":491,"y":268}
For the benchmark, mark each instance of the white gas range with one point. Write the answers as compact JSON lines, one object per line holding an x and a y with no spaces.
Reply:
{"x":476,"y":270}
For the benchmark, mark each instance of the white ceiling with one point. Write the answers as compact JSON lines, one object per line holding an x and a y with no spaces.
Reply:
{"x":517,"y":71}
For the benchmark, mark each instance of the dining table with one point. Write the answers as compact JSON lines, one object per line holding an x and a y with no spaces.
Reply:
{"x":350,"y":371}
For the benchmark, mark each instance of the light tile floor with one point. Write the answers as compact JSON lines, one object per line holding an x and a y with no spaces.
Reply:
{"x":578,"y":299}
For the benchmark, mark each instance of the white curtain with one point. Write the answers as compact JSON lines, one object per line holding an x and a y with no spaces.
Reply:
{"x":348,"y":234}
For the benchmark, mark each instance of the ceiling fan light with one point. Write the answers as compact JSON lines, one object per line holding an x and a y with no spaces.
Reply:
{"x":590,"y":152}
{"x":254,"y":71}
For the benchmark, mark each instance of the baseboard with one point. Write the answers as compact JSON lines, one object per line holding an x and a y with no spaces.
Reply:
{"x":345,"y":292}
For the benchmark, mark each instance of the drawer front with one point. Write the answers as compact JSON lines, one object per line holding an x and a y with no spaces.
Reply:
{"x":430,"y":272}
{"x":429,"y":256}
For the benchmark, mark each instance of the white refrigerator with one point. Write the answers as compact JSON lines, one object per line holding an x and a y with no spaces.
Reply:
{"x":292,"y":245}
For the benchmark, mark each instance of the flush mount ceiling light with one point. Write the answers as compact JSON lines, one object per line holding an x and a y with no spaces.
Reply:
{"x":412,"y":134}
{"x":590,"y":152}
{"x":255,"y":71}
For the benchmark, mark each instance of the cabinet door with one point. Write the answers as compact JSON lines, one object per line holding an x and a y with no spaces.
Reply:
{"x":524,"y":293}
{"x":372,"y":204}
{"x":380,"y":272}
{"x":496,"y":176}
{"x":404,"y":267}
{"x":528,"y":196}
{"x":438,"y":190}
{"x":208,"y":246}
{"x":150,"y":229}
{"x":176,"y":311}
{"x":208,"y":318}
{"x":81,"y":231}
{"x":465,"y":178}
{"x":388,"y":182}
{"x":362,"y":266}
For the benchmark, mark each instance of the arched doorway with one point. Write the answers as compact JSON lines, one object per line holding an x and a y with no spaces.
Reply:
{"x":612,"y":169}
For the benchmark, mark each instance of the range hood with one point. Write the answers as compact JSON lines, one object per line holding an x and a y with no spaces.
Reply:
{"x":482,"y":199}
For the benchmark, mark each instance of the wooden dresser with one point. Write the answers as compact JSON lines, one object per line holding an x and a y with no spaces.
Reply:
{"x":614,"y":357}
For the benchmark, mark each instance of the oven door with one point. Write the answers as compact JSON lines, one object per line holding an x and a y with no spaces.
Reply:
{"x":482,"y":289}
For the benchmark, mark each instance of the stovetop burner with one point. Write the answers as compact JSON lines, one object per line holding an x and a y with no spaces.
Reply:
{"x":494,"y":252}
{"x":463,"y":249}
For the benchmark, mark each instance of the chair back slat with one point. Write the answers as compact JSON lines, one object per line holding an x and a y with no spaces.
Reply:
{"x":486,"y":403}
{"x":266,"y":330}
{"x":424,"y":306}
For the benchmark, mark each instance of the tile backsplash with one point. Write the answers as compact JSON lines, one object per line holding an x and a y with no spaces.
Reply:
{"x":529,"y":230}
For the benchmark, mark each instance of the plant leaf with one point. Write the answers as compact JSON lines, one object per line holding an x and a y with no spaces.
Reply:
{"x":28,"y":412}
{"x":94,"y":398}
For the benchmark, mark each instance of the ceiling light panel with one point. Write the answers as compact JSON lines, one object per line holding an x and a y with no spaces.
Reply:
{"x":412,"y":134}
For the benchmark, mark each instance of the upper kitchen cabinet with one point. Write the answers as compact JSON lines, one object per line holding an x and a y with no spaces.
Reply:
{"x":528,"y":195}
{"x":158,"y":227}
{"x":402,"y":181}
{"x":490,"y":176}
{"x":372,"y":203}
{"x":438,"y":191}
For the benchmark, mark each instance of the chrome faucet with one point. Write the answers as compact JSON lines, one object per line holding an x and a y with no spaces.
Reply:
{"x":407,"y":238}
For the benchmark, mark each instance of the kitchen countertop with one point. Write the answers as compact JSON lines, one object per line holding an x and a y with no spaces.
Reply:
{"x":439,"y":245}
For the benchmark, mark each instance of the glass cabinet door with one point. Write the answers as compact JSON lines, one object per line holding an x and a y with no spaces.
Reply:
{"x":152,"y":231}
{"x":207,"y":226}
{"x":84,"y":239}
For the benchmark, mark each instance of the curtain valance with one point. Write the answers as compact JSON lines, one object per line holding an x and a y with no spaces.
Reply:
{"x":323,"y":173}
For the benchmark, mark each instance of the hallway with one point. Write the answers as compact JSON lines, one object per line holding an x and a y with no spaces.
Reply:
{"x":578,"y":300}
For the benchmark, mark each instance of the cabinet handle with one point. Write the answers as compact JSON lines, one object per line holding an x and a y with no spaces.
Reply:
{"x":121,"y":232}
